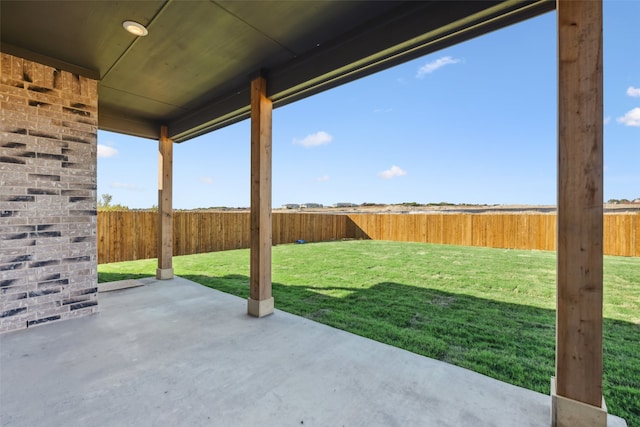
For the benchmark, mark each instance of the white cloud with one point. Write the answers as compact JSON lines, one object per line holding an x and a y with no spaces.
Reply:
{"x":125,"y":186}
{"x":632,"y":118}
{"x":106,"y":151}
{"x":392,"y":172}
{"x":322,"y":178}
{"x":206,"y":180}
{"x":314,"y":139}
{"x":607,"y":120}
{"x":633,"y":91}
{"x":430,"y":67}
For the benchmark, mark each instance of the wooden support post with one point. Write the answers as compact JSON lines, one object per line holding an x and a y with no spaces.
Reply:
{"x":165,"y":210}
{"x":577,"y":389}
{"x":260,"y":300}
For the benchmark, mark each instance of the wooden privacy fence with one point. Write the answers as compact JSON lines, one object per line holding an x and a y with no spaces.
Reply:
{"x":130,"y":235}
{"x":515,"y":231}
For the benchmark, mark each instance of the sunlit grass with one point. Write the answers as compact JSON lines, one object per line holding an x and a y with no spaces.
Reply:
{"x":489,"y":310}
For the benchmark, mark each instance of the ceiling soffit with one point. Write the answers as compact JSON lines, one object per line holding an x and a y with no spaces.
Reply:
{"x":192,"y":72}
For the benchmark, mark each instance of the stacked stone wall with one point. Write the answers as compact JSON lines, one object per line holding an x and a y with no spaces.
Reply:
{"x":48,"y":144}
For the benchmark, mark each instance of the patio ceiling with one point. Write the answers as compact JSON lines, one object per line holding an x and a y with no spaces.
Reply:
{"x":193,"y":71}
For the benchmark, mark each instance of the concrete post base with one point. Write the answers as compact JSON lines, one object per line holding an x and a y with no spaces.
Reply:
{"x":567,"y":412}
{"x":260,"y":308}
{"x":164,"y":273}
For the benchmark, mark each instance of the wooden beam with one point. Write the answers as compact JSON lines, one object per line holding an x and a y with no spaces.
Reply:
{"x":165,"y":209}
{"x":260,"y":300}
{"x":580,"y":194}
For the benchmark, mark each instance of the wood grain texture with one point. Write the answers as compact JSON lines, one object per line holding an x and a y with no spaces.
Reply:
{"x":261,"y":109}
{"x":580,"y":210}
{"x":165,"y":199}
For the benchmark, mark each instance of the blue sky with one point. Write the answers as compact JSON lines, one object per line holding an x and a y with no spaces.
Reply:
{"x":474,"y":123}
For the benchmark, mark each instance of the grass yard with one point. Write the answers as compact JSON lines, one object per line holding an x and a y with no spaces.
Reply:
{"x":489,"y":310}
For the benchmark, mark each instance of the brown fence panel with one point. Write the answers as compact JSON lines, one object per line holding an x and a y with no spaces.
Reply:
{"x":513,"y":231}
{"x":126,"y":235}
{"x":200,"y":232}
{"x":130,"y":235}
{"x":290,"y":227}
{"x":622,"y":234}
{"x":357,"y":225}
{"x":636,"y":228}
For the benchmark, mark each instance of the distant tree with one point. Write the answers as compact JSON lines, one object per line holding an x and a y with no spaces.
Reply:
{"x":104,"y":204}
{"x":105,"y":201}
{"x":440,"y":204}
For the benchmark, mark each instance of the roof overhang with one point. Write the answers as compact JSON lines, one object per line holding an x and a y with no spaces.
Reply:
{"x":192,"y":72}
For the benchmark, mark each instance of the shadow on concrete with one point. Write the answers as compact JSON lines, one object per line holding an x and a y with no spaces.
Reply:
{"x":510,"y":342}
{"x":175,"y":353}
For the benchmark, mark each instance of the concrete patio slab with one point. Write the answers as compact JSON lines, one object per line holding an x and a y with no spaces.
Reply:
{"x":174,"y":353}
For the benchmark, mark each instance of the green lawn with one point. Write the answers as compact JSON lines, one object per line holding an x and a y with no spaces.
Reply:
{"x":489,"y":310}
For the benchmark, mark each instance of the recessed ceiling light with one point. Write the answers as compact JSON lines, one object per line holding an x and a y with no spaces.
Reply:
{"x":135,"y":28}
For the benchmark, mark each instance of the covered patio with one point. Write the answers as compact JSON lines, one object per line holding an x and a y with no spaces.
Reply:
{"x":174,"y":352}
{"x":188,"y":68}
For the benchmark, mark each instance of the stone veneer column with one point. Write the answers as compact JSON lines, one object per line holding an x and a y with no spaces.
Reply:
{"x":48,"y":144}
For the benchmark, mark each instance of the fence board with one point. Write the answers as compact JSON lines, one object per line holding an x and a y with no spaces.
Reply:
{"x":130,"y":235}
